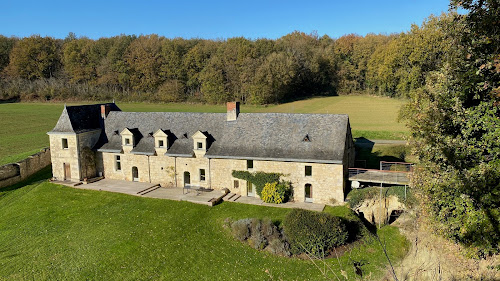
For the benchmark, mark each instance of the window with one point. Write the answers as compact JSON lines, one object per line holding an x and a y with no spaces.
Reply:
{"x":118,"y":164}
{"x":309,"y":171}
{"x":65,"y":143}
{"x":249,"y":164}
{"x":200,"y":145}
{"x":160,"y":143}
{"x":127,"y":141}
{"x":202,"y":174}
{"x":236,"y":184}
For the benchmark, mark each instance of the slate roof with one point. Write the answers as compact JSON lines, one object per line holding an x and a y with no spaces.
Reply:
{"x":259,"y":136}
{"x":81,"y":118}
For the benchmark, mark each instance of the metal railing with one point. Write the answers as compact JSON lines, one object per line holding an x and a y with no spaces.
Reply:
{"x":396,"y":166}
{"x":380,"y":176}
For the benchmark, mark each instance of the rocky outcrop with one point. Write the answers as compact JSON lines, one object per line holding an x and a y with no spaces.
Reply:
{"x":379,"y":211}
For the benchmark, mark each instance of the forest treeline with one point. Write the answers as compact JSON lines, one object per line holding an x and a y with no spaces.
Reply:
{"x":262,"y":71}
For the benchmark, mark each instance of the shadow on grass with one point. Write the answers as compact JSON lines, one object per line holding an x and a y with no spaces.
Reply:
{"x":367,"y":158}
{"x":43,"y":174}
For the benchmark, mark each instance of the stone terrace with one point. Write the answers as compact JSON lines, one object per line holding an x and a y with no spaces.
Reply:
{"x":199,"y":197}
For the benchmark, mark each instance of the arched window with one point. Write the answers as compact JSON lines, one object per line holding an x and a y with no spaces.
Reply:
{"x":135,"y":174}
{"x":187,"y":178}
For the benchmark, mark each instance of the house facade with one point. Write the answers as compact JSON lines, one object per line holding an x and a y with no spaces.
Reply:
{"x":174,"y":149}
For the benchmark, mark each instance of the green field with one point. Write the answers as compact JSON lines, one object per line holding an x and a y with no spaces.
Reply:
{"x":53,"y":232}
{"x":24,"y":125}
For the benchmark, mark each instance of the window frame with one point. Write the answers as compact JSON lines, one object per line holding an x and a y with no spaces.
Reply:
{"x":161,"y":143}
{"x":118,"y":163}
{"x":127,"y":141}
{"x":199,"y":145}
{"x":203,"y":175}
{"x":64,"y":143}
{"x":250,"y":164}
{"x":308,"y":172}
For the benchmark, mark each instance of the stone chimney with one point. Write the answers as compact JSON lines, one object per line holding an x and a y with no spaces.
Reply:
{"x":105,"y":109}
{"x":233,"y":110}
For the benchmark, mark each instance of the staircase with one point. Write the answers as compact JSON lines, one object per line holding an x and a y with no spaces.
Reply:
{"x":231,"y":197}
{"x":148,"y":190}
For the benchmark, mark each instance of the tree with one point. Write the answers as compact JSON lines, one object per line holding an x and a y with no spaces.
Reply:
{"x":455,"y":125}
{"x":34,"y":57}
{"x":6,"y":45}
{"x":143,"y":57}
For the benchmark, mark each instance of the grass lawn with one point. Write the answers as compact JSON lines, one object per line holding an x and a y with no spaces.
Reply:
{"x":53,"y":232}
{"x":24,"y":125}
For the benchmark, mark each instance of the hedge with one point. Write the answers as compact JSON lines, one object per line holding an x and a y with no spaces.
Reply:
{"x":314,"y":233}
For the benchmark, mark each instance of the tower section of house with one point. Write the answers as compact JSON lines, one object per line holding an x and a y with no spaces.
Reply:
{"x":175,"y":149}
{"x":73,"y":138}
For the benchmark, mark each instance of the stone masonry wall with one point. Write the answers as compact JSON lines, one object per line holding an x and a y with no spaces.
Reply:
{"x":13,"y":173}
{"x":327,"y":180}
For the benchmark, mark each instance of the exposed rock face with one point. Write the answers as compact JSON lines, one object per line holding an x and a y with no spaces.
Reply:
{"x":376,"y":211}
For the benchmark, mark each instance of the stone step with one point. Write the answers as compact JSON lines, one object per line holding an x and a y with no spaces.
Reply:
{"x":148,"y":190}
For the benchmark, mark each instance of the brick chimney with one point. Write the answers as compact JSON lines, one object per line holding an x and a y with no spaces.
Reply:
{"x":105,"y":109}
{"x":233,"y":110}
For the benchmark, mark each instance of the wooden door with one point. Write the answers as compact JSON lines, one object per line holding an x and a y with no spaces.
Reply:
{"x":67,"y":171}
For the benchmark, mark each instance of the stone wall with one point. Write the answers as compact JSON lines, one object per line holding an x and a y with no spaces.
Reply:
{"x":327,"y":180}
{"x":15,"y":172}
{"x":72,"y":154}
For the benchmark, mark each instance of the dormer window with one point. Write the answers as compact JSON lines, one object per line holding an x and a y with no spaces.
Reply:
{"x":161,"y":140}
{"x":306,"y":139}
{"x":130,"y":138}
{"x":200,"y":143}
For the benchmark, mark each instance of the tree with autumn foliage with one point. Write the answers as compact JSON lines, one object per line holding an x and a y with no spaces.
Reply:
{"x":455,"y":127}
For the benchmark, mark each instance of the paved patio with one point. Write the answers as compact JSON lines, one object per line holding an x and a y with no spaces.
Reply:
{"x":199,"y":197}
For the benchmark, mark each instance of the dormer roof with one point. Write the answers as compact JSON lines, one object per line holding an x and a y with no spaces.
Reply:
{"x":160,"y":133}
{"x":200,"y":135}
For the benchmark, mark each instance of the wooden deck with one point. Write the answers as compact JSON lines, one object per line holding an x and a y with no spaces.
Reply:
{"x":379,"y":176}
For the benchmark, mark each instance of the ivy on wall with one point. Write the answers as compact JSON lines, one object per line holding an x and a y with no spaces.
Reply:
{"x":259,"y":179}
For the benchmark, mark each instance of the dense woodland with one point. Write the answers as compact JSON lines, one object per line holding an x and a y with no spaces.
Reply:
{"x":262,"y":71}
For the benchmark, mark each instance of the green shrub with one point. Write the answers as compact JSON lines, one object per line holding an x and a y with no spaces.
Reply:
{"x":276,"y":193}
{"x":259,"y":234}
{"x":279,"y":247}
{"x":241,"y":229}
{"x":357,"y":196}
{"x":314,"y":233}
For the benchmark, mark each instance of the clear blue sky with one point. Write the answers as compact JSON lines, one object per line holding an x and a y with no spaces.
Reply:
{"x":212,"y":19}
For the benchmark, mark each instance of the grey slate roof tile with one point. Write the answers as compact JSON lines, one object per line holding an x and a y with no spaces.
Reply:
{"x":81,"y":118}
{"x":251,"y":136}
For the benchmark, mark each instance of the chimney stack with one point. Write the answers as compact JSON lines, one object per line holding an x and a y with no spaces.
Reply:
{"x":233,"y":110}
{"x":105,"y":108}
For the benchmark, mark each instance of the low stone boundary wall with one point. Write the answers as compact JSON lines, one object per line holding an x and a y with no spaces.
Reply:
{"x":15,"y":172}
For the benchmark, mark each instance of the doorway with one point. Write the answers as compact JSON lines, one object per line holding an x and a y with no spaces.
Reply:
{"x":67,"y":171}
{"x":308,"y":193}
{"x":250,"y":189}
{"x":187,"y":178}
{"x":135,"y":174}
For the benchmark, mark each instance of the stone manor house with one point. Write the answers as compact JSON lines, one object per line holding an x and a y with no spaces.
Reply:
{"x":174,"y":149}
